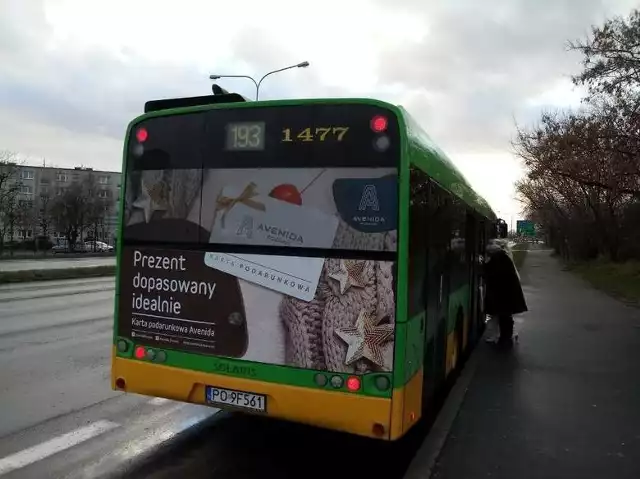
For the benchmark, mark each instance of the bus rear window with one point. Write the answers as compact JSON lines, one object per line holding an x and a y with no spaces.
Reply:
{"x":320,"y":176}
{"x":268,"y":137}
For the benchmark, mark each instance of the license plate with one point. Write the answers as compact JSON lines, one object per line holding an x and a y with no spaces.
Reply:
{"x":238,"y":399}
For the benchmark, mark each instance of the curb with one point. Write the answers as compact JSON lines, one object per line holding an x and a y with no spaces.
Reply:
{"x":23,"y":276}
{"x":424,"y":461}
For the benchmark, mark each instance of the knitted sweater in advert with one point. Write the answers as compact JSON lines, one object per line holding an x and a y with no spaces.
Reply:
{"x":311,"y":340}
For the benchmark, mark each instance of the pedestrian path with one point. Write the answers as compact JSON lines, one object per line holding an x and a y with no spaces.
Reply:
{"x":564,"y":402}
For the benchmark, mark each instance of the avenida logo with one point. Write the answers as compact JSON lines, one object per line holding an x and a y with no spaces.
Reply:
{"x":246,"y":227}
{"x":367,"y":204}
{"x":369,"y":199}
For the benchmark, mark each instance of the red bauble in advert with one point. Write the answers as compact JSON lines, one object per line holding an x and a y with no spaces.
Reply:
{"x":288,"y":193}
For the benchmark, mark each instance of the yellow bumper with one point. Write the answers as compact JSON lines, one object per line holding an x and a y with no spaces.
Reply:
{"x":351,"y":413}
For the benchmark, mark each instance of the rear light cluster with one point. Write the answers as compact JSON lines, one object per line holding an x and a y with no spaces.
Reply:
{"x":150,"y":354}
{"x":379,"y":124}
{"x":141,"y":136}
{"x":143,"y":353}
{"x":353,"y":383}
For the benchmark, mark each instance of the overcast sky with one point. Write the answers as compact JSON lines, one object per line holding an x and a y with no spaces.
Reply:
{"x":73,"y":73}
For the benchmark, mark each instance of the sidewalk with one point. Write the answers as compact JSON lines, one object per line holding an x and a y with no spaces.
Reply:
{"x":565,"y":402}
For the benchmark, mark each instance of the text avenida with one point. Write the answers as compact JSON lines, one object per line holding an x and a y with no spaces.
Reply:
{"x":151,"y":284}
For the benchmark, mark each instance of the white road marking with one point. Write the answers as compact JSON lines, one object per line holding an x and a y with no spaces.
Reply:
{"x":159,"y":401}
{"x":52,"y":446}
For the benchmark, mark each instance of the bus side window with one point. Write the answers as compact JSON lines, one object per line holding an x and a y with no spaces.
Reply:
{"x":458,"y":251}
{"x":439,"y":225}
{"x":418,"y":241}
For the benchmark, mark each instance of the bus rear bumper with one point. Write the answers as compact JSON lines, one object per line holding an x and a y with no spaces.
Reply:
{"x":350,"y":413}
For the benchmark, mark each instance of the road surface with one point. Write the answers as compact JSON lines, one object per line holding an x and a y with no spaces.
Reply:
{"x":55,"y":395}
{"x":564,"y":402}
{"x":54,"y":263}
{"x":61,"y":419}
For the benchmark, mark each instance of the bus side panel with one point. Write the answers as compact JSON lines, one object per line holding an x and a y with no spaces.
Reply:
{"x":406,"y":406}
{"x":407,"y":397}
{"x":414,"y":358}
{"x":458,"y":318}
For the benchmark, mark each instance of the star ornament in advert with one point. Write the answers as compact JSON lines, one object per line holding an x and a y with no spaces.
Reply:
{"x":151,"y":199}
{"x":351,"y":273}
{"x":365,"y":339}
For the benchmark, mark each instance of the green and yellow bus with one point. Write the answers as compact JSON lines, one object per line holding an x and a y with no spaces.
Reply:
{"x":316,"y":261}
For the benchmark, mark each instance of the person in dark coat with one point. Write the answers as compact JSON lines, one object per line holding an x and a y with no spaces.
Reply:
{"x":504,"y":296}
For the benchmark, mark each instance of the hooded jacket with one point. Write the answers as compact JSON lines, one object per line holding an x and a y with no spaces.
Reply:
{"x":504,"y":294}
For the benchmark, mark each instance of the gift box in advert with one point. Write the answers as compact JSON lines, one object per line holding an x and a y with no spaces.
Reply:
{"x":243,"y":216}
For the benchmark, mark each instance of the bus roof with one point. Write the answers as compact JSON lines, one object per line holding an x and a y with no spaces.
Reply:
{"x":422,"y":151}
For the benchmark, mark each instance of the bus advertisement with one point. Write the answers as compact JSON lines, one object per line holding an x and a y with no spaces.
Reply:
{"x":265,"y":268}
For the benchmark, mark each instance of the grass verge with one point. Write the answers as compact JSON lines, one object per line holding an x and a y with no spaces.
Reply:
{"x":519,"y":252}
{"x":51,"y":274}
{"x":621,"y":280}
{"x":44,"y":255}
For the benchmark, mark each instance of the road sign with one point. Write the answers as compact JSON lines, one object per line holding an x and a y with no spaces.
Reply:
{"x":525,"y":228}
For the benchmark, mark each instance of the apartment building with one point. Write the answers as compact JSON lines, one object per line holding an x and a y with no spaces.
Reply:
{"x":39,"y":181}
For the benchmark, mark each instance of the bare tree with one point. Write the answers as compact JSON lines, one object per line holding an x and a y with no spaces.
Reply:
{"x":68,"y":212}
{"x":43,"y":212}
{"x":582,"y":180}
{"x":9,"y":192}
{"x":26,"y":217}
{"x":611,"y":56}
{"x":97,"y":208}
{"x":80,"y":208}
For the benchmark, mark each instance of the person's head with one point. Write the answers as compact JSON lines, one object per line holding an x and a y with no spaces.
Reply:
{"x":493,"y":246}
{"x":498,"y":247}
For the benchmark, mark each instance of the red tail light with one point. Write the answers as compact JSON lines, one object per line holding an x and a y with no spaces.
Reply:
{"x":379,"y":123}
{"x":142,"y":134}
{"x":353,"y":383}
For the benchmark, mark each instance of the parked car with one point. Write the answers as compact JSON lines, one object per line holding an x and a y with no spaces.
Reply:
{"x":63,"y":247}
{"x":97,"y":246}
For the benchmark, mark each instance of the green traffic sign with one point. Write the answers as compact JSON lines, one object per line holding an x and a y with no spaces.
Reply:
{"x":525,"y":228}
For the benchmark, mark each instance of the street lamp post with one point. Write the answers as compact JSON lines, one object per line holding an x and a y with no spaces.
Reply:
{"x":257,"y":83}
